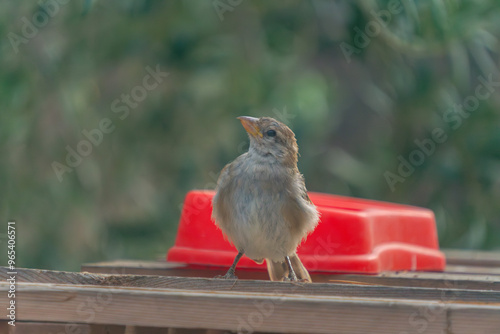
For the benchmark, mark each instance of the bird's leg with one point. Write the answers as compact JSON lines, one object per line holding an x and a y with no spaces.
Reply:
{"x":291,"y":273}
{"x":230,"y":273}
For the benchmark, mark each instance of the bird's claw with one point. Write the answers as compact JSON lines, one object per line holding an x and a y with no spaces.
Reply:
{"x":291,"y":278}
{"x":227,"y":276}
{"x":297,"y":282}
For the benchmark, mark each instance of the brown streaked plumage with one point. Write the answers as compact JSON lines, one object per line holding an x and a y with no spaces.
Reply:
{"x":261,"y":203}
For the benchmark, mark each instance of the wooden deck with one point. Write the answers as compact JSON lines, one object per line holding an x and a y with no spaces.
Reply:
{"x":157,"y":297}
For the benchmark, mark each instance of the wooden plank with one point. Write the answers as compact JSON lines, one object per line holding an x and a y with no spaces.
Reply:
{"x":168,"y":269}
{"x":472,"y":258}
{"x":101,"y":329}
{"x":153,"y":330}
{"x":458,"y":261}
{"x":240,"y":311}
{"x":187,"y":331}
{"x":463,"y":269}
{"x":427,"y":279}
{"x":38,"y":327}
{"x":23,"y":327}
{"x":178,"y":269}
{"x":342,"y":288}
{"x":4,"y":327}
{"x":402,"y":278}
{"x":484,"y":322}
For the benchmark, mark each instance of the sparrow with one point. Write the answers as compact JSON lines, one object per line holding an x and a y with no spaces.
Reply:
{"x":261,"y":202}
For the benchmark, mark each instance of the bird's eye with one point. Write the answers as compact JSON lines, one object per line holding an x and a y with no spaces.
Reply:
{"x":271,"y":133}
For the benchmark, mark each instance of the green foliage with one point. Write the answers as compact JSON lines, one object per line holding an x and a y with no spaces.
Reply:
{"x":353,"y":116}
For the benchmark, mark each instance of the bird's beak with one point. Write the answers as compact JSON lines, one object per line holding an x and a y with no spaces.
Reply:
{"x":250,"y":124}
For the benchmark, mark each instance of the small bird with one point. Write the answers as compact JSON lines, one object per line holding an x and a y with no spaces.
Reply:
{"x":261,"y":202}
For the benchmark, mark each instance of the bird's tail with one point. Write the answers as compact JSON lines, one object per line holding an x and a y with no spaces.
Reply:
{"x":279,"y":270}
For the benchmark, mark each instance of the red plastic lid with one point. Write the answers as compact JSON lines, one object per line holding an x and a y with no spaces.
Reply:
{"x":354,"y":235}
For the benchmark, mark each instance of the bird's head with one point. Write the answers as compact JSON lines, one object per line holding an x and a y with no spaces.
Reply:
{"x":271,"y":139}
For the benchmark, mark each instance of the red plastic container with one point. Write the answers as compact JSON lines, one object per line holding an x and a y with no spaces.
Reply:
{"x":354,"y":235}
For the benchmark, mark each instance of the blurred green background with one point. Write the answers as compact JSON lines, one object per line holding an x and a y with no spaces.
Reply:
{"x":358,"y":88}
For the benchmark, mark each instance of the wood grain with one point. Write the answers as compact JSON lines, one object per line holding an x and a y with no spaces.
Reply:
{"x":460,"y":280}
{"x":157,"y":297}
{"x":472,"y":258}
{"x":23,"y":327}
{"x":236,"y":310}
{"x":73,"y":328}
{"x":340,"y":288}
{"x":473,"y":270}
{"x":463,"y":299}
{"x":168,"y":269}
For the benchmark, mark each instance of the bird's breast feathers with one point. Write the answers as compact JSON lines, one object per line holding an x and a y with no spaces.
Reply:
{"x":262,"y":195}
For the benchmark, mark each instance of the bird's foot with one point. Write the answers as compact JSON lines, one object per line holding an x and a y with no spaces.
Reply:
{"x":291,"y":278}
{"x":294,"y":279}
{"x":228,"y":275}
{"x":304,"y":280}
{"x":297,"y":282}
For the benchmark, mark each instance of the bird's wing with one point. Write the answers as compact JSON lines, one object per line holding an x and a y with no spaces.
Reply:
{"x":226,"y":186}
{"x":297,"y":207}
{"x":303,"y":190}
{"x":306,"y":197}
{"x":227,"y":173}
